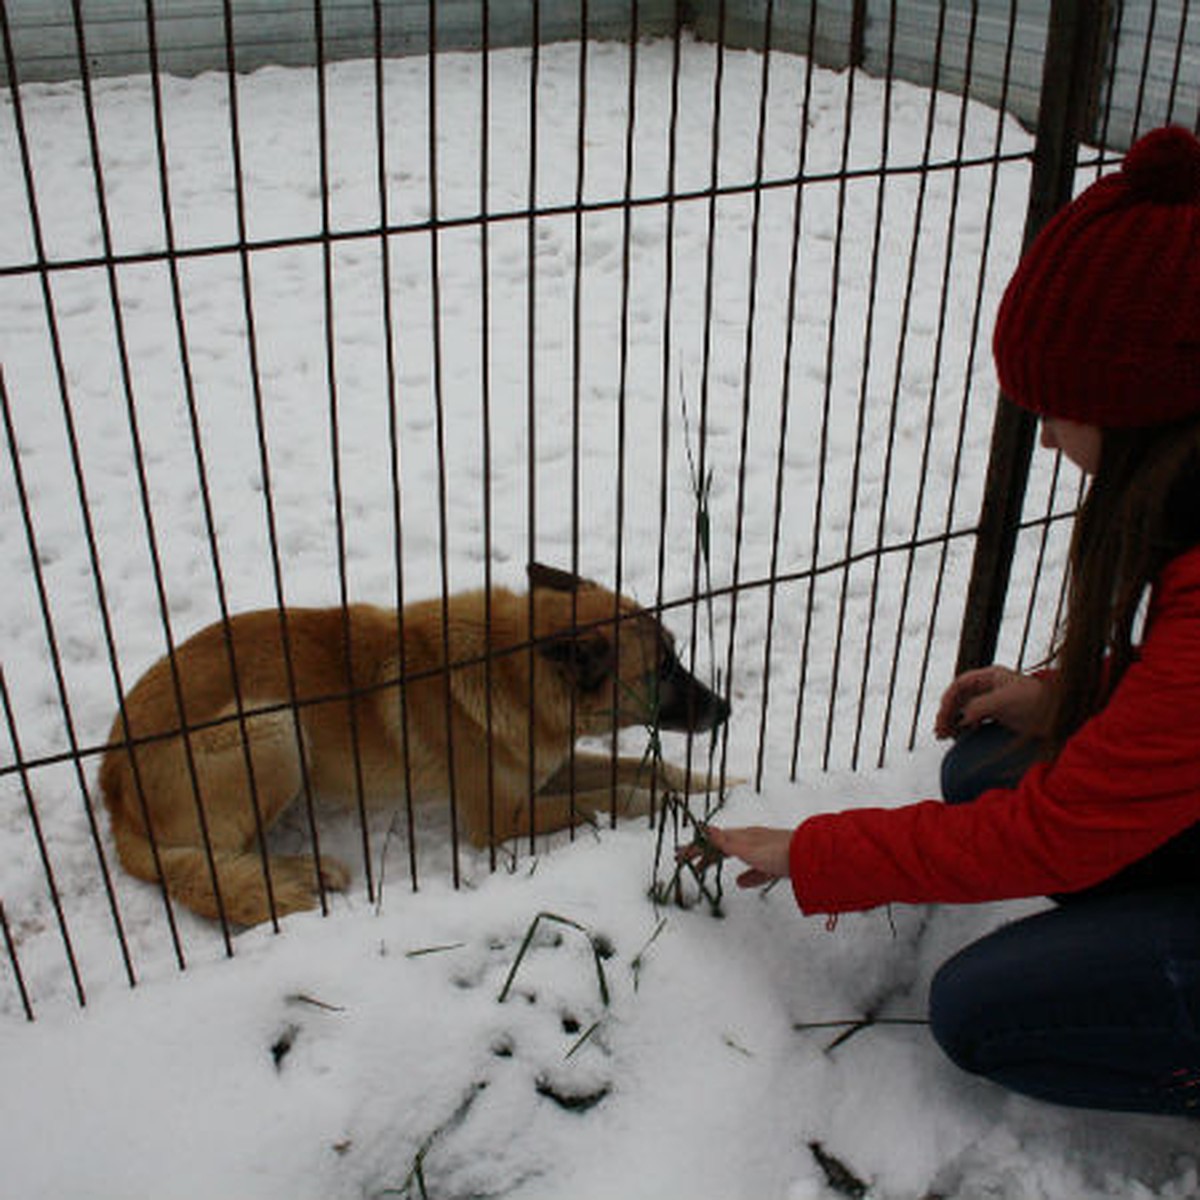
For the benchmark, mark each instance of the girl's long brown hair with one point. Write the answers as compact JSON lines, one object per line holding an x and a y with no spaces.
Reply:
{"x":1142,"y":510}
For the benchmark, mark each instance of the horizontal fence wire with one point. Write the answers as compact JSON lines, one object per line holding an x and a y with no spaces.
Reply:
{"x":510,"y":216}
{"x":868,"y":557}
{"x":707,"y":325}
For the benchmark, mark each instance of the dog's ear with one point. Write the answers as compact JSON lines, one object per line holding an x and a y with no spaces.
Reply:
{"x":586,"y":659}
{"x":551,"y":578}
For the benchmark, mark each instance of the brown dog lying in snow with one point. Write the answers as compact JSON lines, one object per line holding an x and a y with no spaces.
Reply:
{"x":597,"y":662}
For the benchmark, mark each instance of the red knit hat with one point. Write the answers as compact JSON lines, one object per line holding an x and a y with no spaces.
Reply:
{"x":1101,"y":320}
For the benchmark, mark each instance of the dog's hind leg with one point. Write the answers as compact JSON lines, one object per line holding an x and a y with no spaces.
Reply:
{"x":241,"y":879}
{"x":221,"y":855}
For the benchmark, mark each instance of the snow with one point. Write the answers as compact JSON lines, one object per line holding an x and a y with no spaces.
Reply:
{"x":368,"y":1052}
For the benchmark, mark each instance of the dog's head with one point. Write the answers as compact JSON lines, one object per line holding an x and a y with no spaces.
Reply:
{"x":618,"y":659}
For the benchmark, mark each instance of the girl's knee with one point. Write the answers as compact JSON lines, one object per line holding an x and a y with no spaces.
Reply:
{"x":988,"y":989}
{"x":1093,"y":1005}
{"x":988,"y":756}
{"x":954,"y":1011}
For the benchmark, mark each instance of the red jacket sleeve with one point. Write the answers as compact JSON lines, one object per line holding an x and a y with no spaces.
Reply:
{"x":1127,"y":782}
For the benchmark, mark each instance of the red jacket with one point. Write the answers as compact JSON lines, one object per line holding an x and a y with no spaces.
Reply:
{"x":1125,"y":783}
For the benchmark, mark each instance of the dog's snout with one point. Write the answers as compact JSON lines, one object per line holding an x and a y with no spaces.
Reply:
{"x":685,"y":704}
{"x":713,"y":712}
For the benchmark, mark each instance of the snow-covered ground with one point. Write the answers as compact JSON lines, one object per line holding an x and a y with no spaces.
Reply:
{"x":368,"y":1053}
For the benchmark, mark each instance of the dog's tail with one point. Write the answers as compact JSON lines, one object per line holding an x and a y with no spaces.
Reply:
{"x":133,"y":846}
{"x":139,"y":856}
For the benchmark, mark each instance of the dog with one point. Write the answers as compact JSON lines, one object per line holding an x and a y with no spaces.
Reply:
{"x":215,"y":741}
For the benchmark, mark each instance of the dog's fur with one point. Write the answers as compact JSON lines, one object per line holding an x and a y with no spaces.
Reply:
{"x":259,"y":726}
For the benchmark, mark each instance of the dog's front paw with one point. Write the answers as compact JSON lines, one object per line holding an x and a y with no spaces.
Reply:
{"x":294,"y":881}
{"x":672,"y":778}
{"x":335,"y":875}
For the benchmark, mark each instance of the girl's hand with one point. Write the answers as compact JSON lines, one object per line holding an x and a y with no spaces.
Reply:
{"x":764,"y":851}
{"x":1016,"y":701}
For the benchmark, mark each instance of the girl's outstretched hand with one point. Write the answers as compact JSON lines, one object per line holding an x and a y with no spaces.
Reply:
{"x":763,"y":850}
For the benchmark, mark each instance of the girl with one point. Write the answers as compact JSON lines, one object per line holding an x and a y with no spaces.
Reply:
{"x":1081,"y":782}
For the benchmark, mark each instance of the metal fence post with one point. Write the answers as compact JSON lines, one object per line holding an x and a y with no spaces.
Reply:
{"x":858,"y":33}
{"x":1076,"y":39}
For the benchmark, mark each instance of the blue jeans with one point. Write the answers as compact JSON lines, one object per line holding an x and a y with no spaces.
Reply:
{"x":1095,"y":1003}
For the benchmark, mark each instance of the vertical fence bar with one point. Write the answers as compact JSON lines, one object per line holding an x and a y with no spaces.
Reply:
{"x":64,"y":394}
{"x":863,"y":396}
{"x":210,"y":527}
{"x":440,"y":428}
{"x":1177,"y":67}
{"x":485,"y":368}
{"x":976,"y":323}
{"x":139,"y":461}
{"x":577,"y":231}
{"x":835,"y":272}
{"x":1143,"y":74}
{"x":669,"y":288}
{"x":14,"y":962}
{"x":748,"y":360}
{"x":335,"y":444}
{"x":264,"y":458}
{"x":918,"y":233}
{"x":697,"y":455}
{"x":701,"y":575}
{"x":665,"y":378}
{"x":872,"y":612}
{"x":35,"y":823}
{"x":858,"y":33}
{"x":948,"y":250}
{"x":392,"y":399}
{"x":701,"y":541}
{"x":785,"y":396}
{"x":214,"y":555}
{"x":623,"y":336}
{"x":531,"y":327}
{"x":1110,"y":60}
{"x":1074,"y":43}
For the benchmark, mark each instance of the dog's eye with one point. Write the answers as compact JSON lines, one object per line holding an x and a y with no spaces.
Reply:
{"x":667,"y":666}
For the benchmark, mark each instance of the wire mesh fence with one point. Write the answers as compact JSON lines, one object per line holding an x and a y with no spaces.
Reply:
{"x":706,"y":324}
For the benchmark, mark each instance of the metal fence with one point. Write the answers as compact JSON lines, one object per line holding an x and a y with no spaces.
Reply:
{"x":683,"y":310}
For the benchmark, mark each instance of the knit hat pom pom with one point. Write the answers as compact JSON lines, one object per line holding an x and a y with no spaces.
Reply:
{"x":1164,"y":166}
